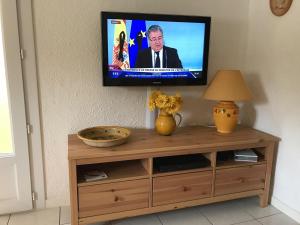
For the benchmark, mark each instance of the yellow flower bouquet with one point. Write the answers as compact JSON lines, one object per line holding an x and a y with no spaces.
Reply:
{"x":167,"y":103}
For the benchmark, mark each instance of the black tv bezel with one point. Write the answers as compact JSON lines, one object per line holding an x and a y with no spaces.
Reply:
{"x":155,"y":82}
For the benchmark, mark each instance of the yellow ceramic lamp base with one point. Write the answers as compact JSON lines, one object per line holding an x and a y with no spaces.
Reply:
{"x":226,"y":115}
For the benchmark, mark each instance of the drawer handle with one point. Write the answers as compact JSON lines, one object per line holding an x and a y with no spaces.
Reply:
{"x":185,"y":188}
{"x":242,"y":180}
{"x":117,"y":198}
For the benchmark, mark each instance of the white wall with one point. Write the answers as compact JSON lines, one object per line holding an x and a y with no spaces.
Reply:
{"x":72,"y":97}
{"x":273,"y":69}
{"x":71,"y":94}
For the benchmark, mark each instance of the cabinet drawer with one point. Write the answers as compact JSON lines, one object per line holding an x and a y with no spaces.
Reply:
{"x":113,"y":197}
{"x":240,"y":179}
{"x":182,"y":187}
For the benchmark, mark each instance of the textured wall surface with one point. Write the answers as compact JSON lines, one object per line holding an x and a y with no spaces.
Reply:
{"x":72,"y":97}
{"x":273,"y":70}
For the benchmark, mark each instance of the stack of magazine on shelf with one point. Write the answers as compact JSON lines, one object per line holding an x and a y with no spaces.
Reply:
{"x":94,"y":175}
{"x":245,"y":155}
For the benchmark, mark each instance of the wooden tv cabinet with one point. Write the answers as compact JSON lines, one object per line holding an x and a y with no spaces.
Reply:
{"x":134,"y":187}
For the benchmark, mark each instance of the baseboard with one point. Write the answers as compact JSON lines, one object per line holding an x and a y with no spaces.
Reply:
{"x":294,"y":214}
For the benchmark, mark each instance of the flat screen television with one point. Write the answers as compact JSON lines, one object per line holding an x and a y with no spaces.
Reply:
{"x":153,"y":49}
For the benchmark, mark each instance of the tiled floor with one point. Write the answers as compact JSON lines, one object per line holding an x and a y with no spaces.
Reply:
{"x":239,"y":212}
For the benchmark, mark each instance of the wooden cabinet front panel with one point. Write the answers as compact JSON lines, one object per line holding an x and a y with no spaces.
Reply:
{"x":240,"y":179}
{"x":182,"y":187}
{"x":113,"y":197}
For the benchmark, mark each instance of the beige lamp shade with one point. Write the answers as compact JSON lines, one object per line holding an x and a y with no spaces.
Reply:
{"x":228,"y":85}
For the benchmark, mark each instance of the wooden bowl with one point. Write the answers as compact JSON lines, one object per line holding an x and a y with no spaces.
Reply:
{"x":104,"y":136}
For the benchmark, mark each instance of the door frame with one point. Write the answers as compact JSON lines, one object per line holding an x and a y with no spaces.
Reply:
{"x":32,"y":106}
{"x":18,"y":162}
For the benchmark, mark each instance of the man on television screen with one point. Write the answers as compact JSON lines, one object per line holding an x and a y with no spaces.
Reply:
{"x":157,"y":55}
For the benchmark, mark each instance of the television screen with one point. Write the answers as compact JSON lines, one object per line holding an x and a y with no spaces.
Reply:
{"x":152,"y":49}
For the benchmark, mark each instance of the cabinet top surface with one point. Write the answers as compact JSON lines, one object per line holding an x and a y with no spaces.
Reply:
{"x":145,"y":141}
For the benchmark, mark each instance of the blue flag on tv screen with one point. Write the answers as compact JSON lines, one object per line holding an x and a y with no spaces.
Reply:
{"x":138,"y":39}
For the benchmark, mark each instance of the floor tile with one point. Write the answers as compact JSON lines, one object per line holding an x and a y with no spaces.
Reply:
{"x":101,"y":223}
{"x":252,"y":222}
{"x":251,"y":205}
{"x":4,"y":220}
{"x":140,"y":220}
{"x":65,"y":215}
{"x":226,"y":213}
{"x":237,"y":212}
{"x":189,"y":216}
{"x":278,"y":219}
{"x":39,"y":217}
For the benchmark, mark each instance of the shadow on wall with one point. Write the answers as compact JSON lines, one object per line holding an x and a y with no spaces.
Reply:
{"x":247,"y":110}
{"x":247,"y":114}
{"x":197,"y":111}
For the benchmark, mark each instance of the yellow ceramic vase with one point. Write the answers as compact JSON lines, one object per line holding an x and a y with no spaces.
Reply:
{"x":165,"y":123}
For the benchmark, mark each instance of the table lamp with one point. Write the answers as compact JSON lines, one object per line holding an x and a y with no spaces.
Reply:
{"x":226,"y":87}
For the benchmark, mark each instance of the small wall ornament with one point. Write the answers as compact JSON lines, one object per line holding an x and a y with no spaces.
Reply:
{"x":280,"y":7}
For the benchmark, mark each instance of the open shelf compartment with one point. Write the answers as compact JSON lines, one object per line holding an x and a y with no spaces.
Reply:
{"x":225,"y":159}
{"x":179,"y":164}
{"x":115,"y":171}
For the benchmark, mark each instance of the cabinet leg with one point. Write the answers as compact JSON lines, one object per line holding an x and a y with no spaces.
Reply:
{"x":73,"y":192}
{"x":265,"y":197}
{"x":264,"y":200}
